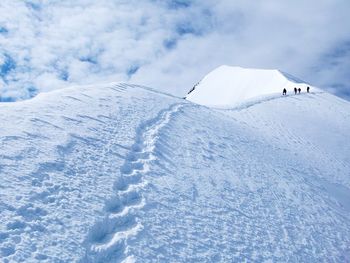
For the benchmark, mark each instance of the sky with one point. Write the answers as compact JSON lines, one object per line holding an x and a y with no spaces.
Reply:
{"x":168,"y":45}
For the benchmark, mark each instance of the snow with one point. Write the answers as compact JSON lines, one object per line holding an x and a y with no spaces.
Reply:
{"x":63,"y":159}
{"x":227,"y":86}
{"x":124,"y":173}
{"x":249,"y":188}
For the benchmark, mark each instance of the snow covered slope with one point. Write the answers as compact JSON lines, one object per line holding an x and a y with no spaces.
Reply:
{"x":226,"y":86}
{"x":123,"y":173}
{"x":62,"y":160}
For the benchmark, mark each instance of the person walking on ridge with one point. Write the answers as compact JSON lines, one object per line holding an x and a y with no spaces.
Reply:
{"x":284,"y":92}
{"x":299,"y":90}
{"x":308,"y":89}
{"x":295,"y":90}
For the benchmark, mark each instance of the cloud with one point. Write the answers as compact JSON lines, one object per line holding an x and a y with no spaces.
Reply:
{"x":169,"y":45}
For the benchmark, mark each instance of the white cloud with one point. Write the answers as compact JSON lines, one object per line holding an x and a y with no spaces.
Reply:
{"x":169,"y":45}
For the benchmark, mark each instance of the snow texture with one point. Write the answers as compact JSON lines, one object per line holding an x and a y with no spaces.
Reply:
{"x":123,"y":173}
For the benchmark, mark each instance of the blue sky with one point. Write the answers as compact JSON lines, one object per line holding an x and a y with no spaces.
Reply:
{"x":169,"y":45}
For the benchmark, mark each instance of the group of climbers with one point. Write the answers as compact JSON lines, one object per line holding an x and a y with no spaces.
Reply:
{"x":296,"y":90}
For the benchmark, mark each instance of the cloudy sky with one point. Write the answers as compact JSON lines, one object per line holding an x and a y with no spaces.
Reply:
{"x":169,"y":44}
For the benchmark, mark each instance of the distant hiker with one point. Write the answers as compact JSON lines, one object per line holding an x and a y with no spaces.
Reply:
{"x":191,"y":90}
{"x":308,"y":89}
{"x":284,"y":92}
{"x":299,"y":90}
{"x":295,"y":90}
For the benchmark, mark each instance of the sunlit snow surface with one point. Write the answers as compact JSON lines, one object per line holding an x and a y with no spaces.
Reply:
{"x":227,"y":85}
{"x":122,"y":173}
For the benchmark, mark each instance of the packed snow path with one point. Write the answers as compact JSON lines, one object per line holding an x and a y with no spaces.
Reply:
{"x":108,"y":238}
{"x":123,"y":173}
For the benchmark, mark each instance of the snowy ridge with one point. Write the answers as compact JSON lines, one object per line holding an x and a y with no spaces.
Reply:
{"x":123,"y":173}
{"x":108,"y":239}
{"x":257,"y":100}
{"x":61,"y":150}
{"x":227,"y":86}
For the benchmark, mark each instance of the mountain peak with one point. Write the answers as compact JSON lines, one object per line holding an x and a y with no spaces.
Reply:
{"x":227,"y":85}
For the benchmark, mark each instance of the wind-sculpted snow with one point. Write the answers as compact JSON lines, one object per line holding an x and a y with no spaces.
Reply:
{"x":61,"y":155}
{"x":122,"y":173}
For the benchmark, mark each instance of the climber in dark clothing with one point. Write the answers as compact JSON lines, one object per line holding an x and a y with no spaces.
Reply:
{"x":299,"y":90}
{"x":284,"y":92}
{"x":308,"y":89}
{"x":295,"y":90}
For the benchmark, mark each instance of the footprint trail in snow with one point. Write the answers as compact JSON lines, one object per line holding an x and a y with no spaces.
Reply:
{"x":108,"y":239}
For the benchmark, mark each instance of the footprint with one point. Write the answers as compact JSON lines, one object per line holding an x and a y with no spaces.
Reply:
{"x":131,"y":198}
{"x":130,"y":167}
{"x":114,"y":205}
{"x":123,"y":182}
{"x":104,"y":231}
